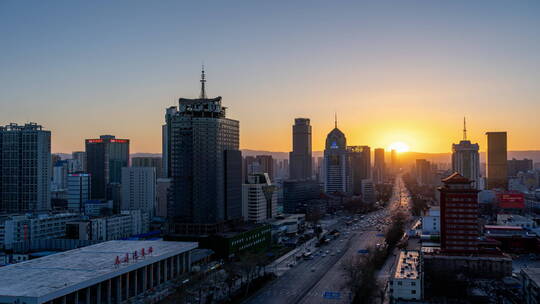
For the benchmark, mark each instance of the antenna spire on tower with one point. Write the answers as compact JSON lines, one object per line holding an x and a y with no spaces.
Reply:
{"x":203,"y":81}
{"x":464,"y":129}
{"x":335,"y":120}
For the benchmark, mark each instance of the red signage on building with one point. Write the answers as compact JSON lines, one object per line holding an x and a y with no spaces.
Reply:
{"x":511,"y":200}
{"x":94,"y":141}
{"x":119,"y":141}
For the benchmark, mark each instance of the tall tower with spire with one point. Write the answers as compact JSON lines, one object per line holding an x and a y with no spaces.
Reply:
{"x":337,"y":171}
{"x":466,"y":159}
{"x":201,"y":148}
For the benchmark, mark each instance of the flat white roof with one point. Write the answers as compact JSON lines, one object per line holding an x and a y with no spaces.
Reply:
{"x":62,"y":273}
{"x":408,"y":266}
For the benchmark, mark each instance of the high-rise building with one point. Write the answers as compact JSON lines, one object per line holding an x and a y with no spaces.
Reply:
{"x":78,"y":191}
{"x":466,"y":159}
{"x":497,"y":166}
{"x":166,"y":143}
{"x":258,"y":165}
{"x":519,"y":165}
{"x":154,"y":162}
{"x":139,"y":189}
{"x":360,"y":162}
{"x":80,"y":156}
{"x":266,"y":165}
{"x":394,"y":161}
{"x":423,"y":172}
{"x":106,"y":156}
{"x":205,"y":165}
{"x":60,"y":173}
{"x":25,"y":168}
{"x":378,"y":166}
{"x":297,"y":192}
{"x":259,"y":198}
{"x":163,"y":190}
{"x":460,"y":227}
{"x":337,"y":171}
{"x":300,"y":156}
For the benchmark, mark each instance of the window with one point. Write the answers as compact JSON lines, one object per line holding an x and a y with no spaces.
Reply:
{"x":413,"y":291}
{"x":399,"y":283}
{"x":413,"y":283}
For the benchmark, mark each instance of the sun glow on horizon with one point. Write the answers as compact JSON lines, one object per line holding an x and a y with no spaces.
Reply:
{"x":399,"y":147}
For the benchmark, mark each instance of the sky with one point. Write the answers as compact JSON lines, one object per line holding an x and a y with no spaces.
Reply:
{"x":392,"y":71}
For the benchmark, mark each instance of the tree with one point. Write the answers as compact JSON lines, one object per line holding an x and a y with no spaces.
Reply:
{"x":361,"y":279}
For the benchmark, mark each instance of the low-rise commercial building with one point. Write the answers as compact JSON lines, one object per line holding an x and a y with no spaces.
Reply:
{"x":407,"y":282}
{"x":28,"y":227}
{"x":109,"y":272}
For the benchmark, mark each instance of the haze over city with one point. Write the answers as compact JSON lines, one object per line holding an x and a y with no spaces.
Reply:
{"x":395,"y":72}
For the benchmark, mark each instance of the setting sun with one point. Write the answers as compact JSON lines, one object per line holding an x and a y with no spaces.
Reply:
{"x":399,"y":146}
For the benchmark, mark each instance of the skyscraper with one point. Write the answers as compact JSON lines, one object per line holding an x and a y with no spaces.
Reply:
{"x":423,"y":172}
{"x":25,"y":168}
{"x":466,"y":159}
{"x":497,"y":166}
{"x":78,"y":191}
{"x":360,"y":162}
{"x":519,"y":165}
{"x":154,"y":162}
{"x":80,"y":157}
{"x":139,"y":189}
{"x":459,"y":215}
{"x":205,"y":165}
{"x":259,"y":198}
{"x":300,"y":157}
{"x":378,"y":166}
{"x":394,"y":161}
{"x":266,"y":165}
{"x":105,"y":158}
{"x":336,"y":163}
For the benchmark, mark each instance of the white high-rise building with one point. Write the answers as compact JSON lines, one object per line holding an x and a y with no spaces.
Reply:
{"x":466,"y":159}
{"x":259,"y":198}
{"x":139,"y":188}
{"x":78,"y":191}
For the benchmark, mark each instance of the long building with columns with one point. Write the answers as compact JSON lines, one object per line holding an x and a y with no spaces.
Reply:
{"x":109,"y":272}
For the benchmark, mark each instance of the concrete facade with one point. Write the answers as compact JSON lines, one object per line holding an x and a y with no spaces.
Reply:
{"x":96,"y":274}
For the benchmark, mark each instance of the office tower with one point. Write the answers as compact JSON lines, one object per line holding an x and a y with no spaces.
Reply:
{"x":497,"y":166}
{"x":259,"y":198}
{"x":519,"y":165}
{"x":379,"y":166}
{"x":336,"y":163}
{"x":206,"y":166}
{"x":297,"y":192}
{"x":300,"y":156}
{"x":368,"y":191}
{"x":60,"y":173}
{"x":79,"y":156}
{"x":460,"y":227}
{"x":25,"y":168}
{"x":423,"y":172}
{"x":320,"y":169}
{"x":166,"y":140}
{"x":78,"y":191}
{"x":139,"y":189}
{"x":163,"y":189}
{"x":360,"y":162}
{"x":266,"y":165}
{"x":105,"y":158}
{"x":154,"y":162}
{"x":394,"y":161}
{"x":286,"y":167}
{"x":466,"y":159}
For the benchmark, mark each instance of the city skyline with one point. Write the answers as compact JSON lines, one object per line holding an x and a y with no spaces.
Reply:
{"x":389,"y":76}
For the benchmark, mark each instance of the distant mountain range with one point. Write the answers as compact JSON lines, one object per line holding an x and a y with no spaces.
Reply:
{"x":405,"y":157}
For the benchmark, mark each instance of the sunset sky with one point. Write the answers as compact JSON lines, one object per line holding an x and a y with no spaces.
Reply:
{"x":405,"y":71}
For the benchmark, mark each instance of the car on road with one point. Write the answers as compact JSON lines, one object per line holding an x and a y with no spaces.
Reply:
{"x":313,"y":269}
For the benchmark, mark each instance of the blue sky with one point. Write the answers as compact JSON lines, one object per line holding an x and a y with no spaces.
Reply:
{"x":393,"y":71}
